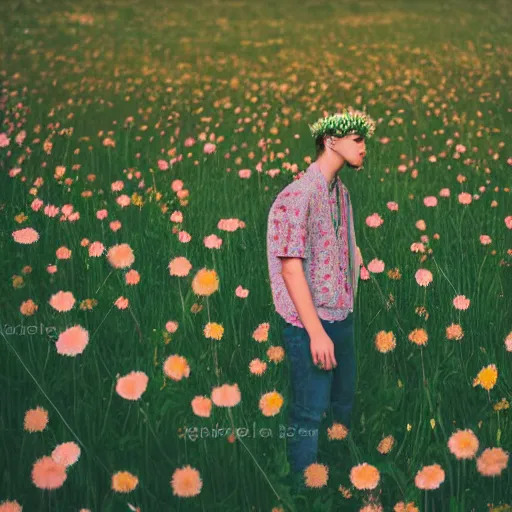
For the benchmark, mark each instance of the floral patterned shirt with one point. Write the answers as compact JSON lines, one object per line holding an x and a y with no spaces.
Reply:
{"x":300,"y":225}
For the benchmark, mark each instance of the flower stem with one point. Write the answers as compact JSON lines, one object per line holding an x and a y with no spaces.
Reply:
{"x":458,"y":483}
{"x":181,"y":296}
{"x":463,"y":483}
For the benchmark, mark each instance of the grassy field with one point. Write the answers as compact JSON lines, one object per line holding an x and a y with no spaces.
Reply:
{"x":141,"y":147}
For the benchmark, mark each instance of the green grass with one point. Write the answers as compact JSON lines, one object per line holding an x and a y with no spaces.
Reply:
{"x":418,"y":67}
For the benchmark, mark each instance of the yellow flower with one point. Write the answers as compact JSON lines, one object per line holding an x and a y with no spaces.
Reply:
{"x":386,"y":444}
{"x":502,"y":404}
{"x":275,"y":354}
{"x":271,"y":403}
{"x":20,"y":218}
{"x":137,"y":200}
{"x":316,"y":475}
{"x":418,"y":336}
{"x":487,"y":377}
{"x":205,"y":282}
{"x":338,"y":431}
{"x":17,"y":281}
{"x":214,"y":330}
{"x":123,"y":481}
{"x":385,"y":341}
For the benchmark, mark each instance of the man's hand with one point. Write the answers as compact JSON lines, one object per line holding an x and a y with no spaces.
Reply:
{"x":322,"y":351}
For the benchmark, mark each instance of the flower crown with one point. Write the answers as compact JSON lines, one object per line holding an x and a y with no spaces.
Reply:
{"x":349,"y":122}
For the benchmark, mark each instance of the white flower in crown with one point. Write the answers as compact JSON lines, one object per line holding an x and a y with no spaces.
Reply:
{"x":349,"y":122}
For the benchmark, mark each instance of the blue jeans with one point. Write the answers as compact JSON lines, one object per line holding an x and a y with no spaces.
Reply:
{"x":316,"y":391}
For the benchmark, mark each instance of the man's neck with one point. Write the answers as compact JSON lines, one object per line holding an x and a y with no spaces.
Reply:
{"x":330,"y":168}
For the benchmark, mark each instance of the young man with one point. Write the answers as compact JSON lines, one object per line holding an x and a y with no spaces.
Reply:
{"x":314,"y":265}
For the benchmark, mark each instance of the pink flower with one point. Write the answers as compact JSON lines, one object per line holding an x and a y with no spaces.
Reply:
{"x":461,"y":302}
{"x":66,"y":453}
{"x":374,"y":220}
{"x":10,"y":506}
{"x":229,"y":224}
{"x":51,"y":210}
{"x":20,"y":137}
{"x":4,"y":141}
{"x":420,"y":224}
{"x":423,"y":277}
{"x":115,"y":225}
{"x":213,"y":242}
{"x":67,"y":213}
{"x":72,"y":341}
{"x":176,"y":185}
{"x":176,"y":159}
{"x":209,"y":148}
{"x":417,"y":247}
{"x":508,"y":342}
{"x":36,"y":204}
{"x":202,"y":406}
{"x":63,"y":253}
{"x":96,"y":249}
{"x":26,"y":236}
{"x":376,"y":266}
{"x":430,"y":201}
{"x":121,"y":303}
{"x":132,"y":386}
{"x":184,"y":237}
{"x":62,"y":301}
{"x":163,"y":165}
{"x":226,"y":395}
{"x":242,"y":293}
{"x":179,"y":266}
{"x":465,"y":198}
{"x":132,"y":277}
{"x":177,"y":217}
{"x":123,"y":200}
{"x":171,"y":326}
{"x":120,"y":256}
{"x":48,"y":474}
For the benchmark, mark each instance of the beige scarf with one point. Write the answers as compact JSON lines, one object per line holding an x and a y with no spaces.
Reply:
{"x":355,"y":259}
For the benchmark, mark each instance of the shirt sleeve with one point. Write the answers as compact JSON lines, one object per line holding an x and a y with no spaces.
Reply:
{"x":291,"y":214}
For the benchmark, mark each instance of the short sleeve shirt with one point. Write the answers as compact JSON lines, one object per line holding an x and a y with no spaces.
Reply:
{"x":300,"y":226}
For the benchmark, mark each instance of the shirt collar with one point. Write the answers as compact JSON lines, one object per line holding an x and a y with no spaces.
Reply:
{"x":319,"y":175}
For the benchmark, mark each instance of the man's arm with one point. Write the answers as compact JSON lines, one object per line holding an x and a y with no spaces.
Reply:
{"x":298,"y":289}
